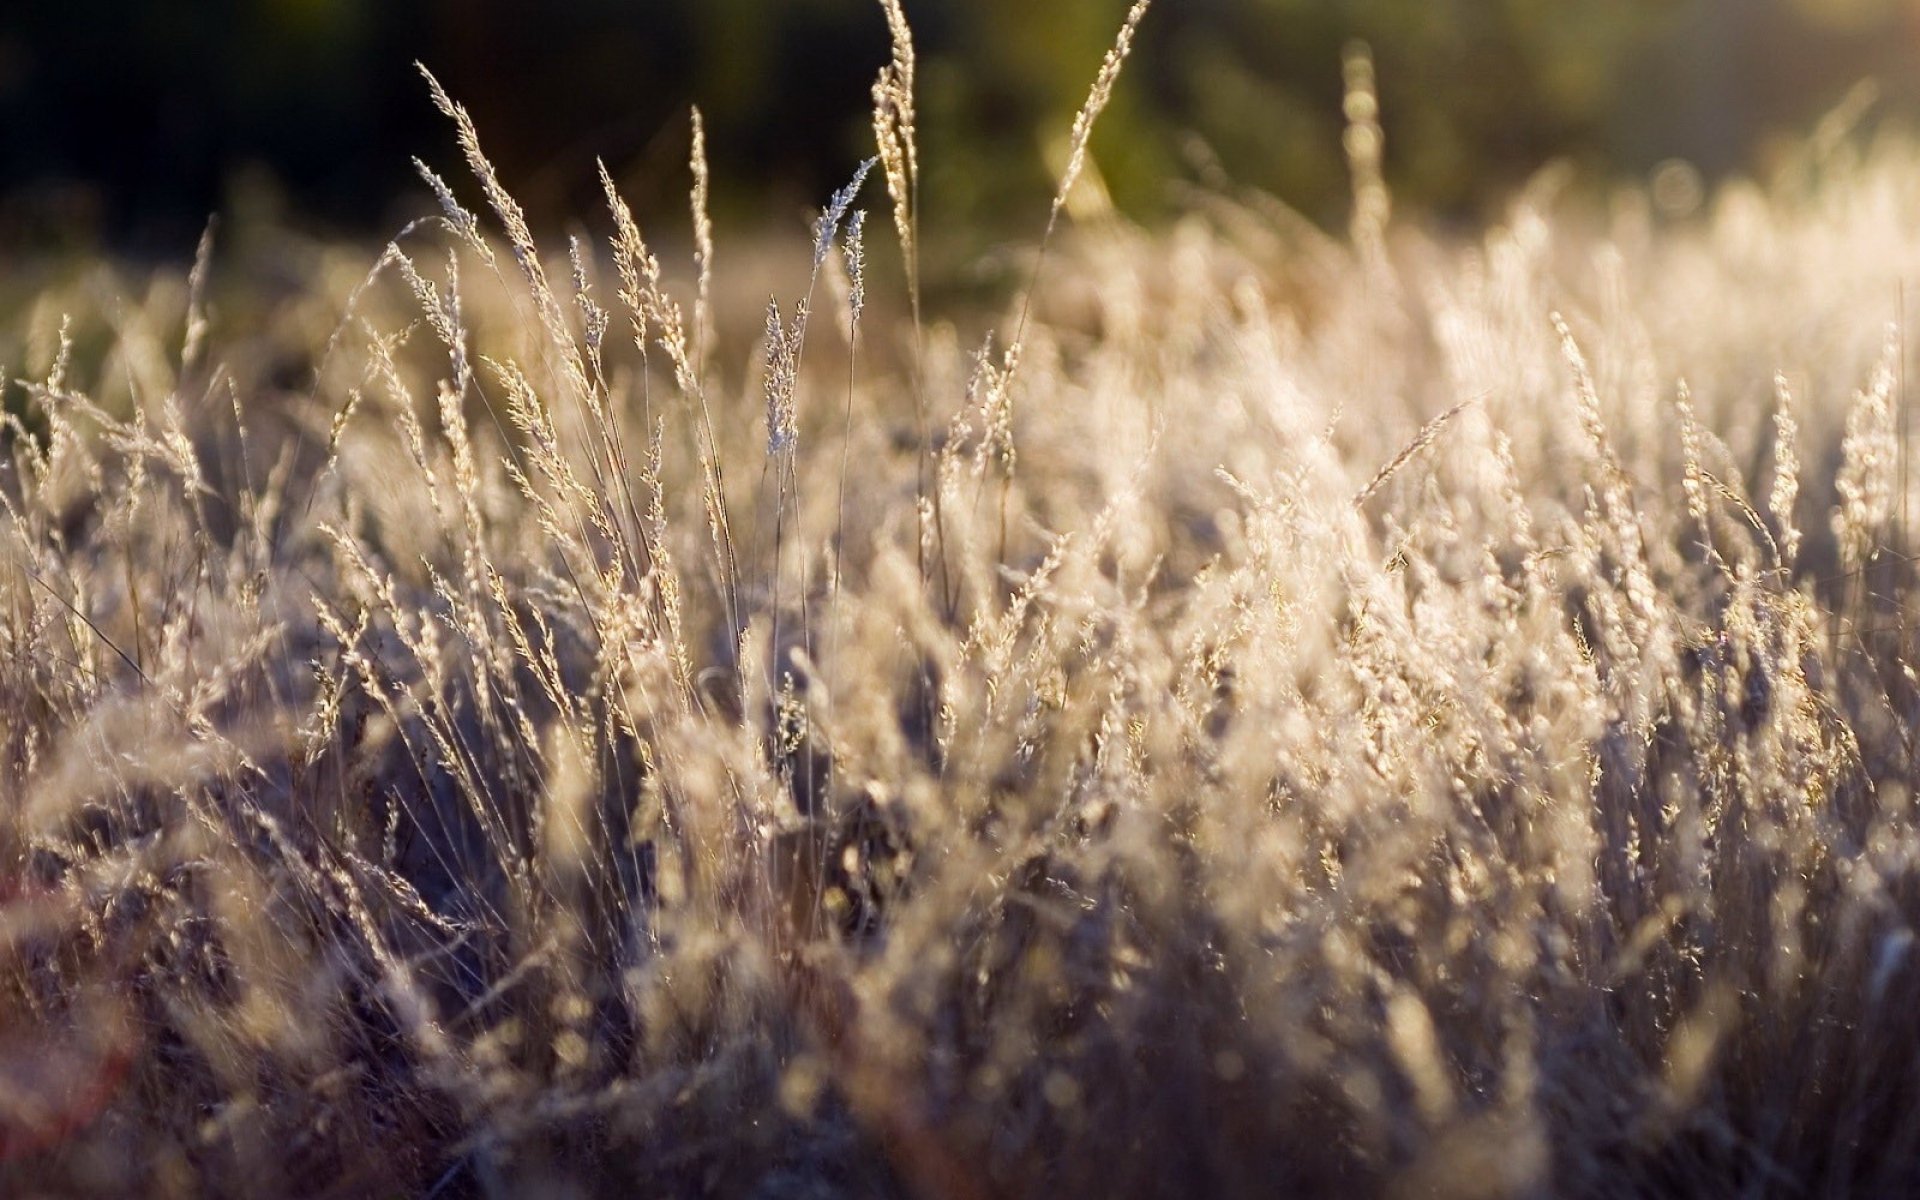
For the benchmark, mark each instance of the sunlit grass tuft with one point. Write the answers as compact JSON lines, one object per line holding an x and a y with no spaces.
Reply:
{"x":1394,"y":716}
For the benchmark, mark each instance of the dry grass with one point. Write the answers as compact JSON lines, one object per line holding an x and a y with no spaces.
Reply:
{"x":1309,"y":717}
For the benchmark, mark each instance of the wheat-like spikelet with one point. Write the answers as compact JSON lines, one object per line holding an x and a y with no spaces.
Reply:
{"x":782,"y":425}
{"x":699,"y":202}
{"x":1097,"y":99}
{"x":1428,"y":435}
{"x":1694,"y":476}
{"x":1870,"y":454}
{"x":896,"y":140}
{"x":512,"y":218}
{"x":855,"y":252}
{"x":826,"y":228}
{"x":1785,"y":490}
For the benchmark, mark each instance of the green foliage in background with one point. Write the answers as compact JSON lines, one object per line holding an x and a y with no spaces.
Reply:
{"x":119,"y":114}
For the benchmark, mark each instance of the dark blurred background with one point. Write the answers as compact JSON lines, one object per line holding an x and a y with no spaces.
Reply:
{"x":125,"y":123}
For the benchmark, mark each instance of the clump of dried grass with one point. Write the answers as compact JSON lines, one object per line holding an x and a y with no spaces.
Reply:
{"x":511,"y":767}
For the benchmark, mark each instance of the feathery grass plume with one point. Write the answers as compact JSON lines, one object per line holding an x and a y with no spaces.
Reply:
{"x":855,"y":253}
{"x":1869,"y":457}
{"x":782,"y":424}
{"x":1083,"y":123}
{"x":649,"y":307}
{"x":593,"y":318}
{"x":698,"y":201}
{"x":442,"y":311}
{"x":459,"y":218}
{"x":194,"y":339}
{"x":826,"y":228}
{"x":786,"y":344}
{"x":1785,"y":493}
{"x":512,"y":218}
{"x":1755,"y":521}
{"x":1694,"y":476}
{"x":895,"y":140}
{"x":1428,"y":435}
{"x":1586,"y":394}
{"x":1097,"y":100}
{"x":603,"y":454}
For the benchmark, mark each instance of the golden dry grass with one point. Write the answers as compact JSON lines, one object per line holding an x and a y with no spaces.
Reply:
{"x":1402,"y":716}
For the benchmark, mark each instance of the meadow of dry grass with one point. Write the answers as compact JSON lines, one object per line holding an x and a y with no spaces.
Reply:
{"x":1377,"y":715}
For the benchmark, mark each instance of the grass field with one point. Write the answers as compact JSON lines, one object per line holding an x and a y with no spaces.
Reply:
{"x":1384,"y":714}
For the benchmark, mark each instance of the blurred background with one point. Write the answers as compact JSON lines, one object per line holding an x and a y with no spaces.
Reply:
{"x":125,"y":123}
